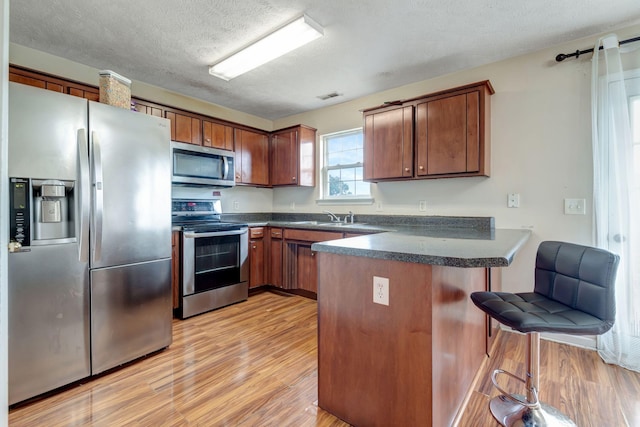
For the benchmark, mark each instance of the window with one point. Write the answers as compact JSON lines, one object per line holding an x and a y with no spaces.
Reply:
{"x":342,"y":167}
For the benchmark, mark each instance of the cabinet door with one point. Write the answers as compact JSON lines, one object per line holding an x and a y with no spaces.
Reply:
{"x":447,"y":135}
{"x":388,"y":144}
{"x":217,"y":135}
{"x":145,"y":108}
{"x":91,"y":95}
{"x":185,"y":128}
{"x":306,"y":268}
{"x":36,"y":82}
{"x":252,"y":157}
{"x":256,"y":263}
{"x":284,"y":158}
{"x":275,"y":258}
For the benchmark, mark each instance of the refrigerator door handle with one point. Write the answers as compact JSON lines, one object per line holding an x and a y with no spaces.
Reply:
{"x":98,"y":196}
{"x":85,"y":195}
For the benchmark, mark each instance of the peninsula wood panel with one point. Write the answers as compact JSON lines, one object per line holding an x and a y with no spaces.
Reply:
{"x":409,"y":363}
{"x":459,"y":338}
{"x":374,"y":361}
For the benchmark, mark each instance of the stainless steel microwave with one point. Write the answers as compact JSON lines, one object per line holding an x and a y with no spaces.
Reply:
{"x":196,"y":165}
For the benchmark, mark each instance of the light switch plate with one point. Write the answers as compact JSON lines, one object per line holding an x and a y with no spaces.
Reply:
{"x":513,"y":200}
{"x":575,"y":206}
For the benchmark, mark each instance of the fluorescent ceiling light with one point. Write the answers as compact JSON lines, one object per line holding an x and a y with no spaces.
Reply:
{"x":283,"y":40}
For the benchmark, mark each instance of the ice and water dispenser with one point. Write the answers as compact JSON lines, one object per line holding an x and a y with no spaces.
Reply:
{"x":41,"y":211}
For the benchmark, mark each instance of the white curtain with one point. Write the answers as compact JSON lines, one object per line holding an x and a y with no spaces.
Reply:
{"x":617,"y":190}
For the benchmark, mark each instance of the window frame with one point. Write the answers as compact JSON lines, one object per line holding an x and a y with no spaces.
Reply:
{"x":324,"y":197}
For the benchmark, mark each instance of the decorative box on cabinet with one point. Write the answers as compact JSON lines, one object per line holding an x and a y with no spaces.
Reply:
{"x":293,"y":156}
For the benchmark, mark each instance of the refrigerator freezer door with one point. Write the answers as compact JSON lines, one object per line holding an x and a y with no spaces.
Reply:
{"x":131,"y":178}
{"x":48,"y":320}
{"x":131,"y":310}
{"x":43,"y":132}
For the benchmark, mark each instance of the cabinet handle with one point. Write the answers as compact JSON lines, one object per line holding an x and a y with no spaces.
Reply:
{"x":313,"y":254}
{"x":421,"y":167}
{"x":293,"y":178}
{"x":406,"y":169}
{"x":253,"y":247}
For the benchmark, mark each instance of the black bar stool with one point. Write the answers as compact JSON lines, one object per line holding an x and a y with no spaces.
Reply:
{"x":573,"y":294}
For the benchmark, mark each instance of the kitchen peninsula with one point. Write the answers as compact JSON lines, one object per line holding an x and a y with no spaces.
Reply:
{"x":410,"y":362}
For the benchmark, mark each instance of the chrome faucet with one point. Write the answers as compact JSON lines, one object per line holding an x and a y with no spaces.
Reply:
{"x":332,"y":216}
{"x":349,"y":217}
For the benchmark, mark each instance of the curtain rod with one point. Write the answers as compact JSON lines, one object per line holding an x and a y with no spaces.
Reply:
{"x":562,"y":56}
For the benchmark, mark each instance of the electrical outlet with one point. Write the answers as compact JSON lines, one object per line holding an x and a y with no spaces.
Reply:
{"x":236,"y":205}
{"x":513,"y":200}
{"x":574,"y":206}
{"x":381,"y":290}
{"x":422,"y":205}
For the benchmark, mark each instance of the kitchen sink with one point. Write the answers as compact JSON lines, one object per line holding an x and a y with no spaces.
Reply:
{"x":330,"y":224}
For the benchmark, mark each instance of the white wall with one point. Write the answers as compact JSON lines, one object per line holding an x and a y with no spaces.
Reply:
{"x":541,"y":149}
{"x":4,"y":201}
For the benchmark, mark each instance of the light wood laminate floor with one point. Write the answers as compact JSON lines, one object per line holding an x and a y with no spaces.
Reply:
{"x":255,"y":364}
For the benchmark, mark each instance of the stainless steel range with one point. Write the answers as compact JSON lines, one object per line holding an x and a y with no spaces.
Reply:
{"x":214,"y":256}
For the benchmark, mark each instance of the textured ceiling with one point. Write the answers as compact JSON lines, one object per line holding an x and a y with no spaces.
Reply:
{"x":369,"y":45}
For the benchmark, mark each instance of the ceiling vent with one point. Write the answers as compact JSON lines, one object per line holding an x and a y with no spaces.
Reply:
{"x":329,"y":96}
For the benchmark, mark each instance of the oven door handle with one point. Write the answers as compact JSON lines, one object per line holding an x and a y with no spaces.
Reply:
{"x":192,"y":235}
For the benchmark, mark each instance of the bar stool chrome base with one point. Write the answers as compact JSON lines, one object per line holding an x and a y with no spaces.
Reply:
{"x":512,"y":414}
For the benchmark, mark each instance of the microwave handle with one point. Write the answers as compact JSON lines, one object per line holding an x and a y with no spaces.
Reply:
{"x":225,"y":167}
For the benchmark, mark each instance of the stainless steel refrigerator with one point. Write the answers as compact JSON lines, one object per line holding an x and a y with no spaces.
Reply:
{"x":89,"y":267}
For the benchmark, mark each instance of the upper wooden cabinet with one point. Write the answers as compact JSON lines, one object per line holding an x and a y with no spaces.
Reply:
{"x":217,"y":135}
{"x":185,"y":128}
{"x":440,"y":135}
{"x":147,"y":108}
{"x":56,"y":84}
{"x":293,"y":156}
{"x":252,"y":157}
{"x":388,"y":143}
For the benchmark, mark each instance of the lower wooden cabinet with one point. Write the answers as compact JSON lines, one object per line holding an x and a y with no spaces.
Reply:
{"x":257,"y":265}
{"x":275,"y":257}
{"x":300,"y":268}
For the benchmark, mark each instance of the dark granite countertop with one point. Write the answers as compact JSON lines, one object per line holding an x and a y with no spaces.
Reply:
{"x":437,"y":240}
{"x":453,"y":247}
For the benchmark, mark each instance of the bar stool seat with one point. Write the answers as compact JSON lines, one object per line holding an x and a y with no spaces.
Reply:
{"x":573,"y":294}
